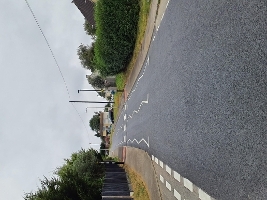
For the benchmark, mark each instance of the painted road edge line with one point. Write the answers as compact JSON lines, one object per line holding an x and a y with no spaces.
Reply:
{"x":168,"y":169}
{"x":177,"y":195}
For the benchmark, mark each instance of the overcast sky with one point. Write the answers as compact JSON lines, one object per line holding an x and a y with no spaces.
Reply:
{"x":38,"y":126}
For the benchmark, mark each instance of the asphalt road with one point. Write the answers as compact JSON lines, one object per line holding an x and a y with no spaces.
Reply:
{"x":206,"y":78}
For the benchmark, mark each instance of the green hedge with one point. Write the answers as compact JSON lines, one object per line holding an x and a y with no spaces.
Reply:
{"x":116,"y":29}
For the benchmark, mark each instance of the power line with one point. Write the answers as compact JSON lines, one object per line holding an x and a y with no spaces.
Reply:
{"x":53,"y":55}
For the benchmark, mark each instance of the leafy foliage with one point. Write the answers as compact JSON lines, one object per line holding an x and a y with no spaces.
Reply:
{"x":97,"y":82}
{"x":89,"y":29}
{"x":116,"y":28}
{"x":86,"y":56}
{"x":94,"y":123}
{"x":80,"y":178}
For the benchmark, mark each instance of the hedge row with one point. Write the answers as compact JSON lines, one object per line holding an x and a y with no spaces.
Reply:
{"x":116,"y":29}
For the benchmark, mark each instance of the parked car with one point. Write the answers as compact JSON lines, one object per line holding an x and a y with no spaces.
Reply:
{"x":111,"y":115}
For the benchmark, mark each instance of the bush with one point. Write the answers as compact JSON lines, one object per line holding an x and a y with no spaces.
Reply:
{"x":80,"y":178}
{"x":116,"y":28}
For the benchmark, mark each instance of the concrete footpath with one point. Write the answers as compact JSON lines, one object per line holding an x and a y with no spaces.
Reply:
{"x":135,"y":158}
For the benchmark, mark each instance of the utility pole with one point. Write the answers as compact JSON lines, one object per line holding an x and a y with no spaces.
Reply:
{"x":91,"y":101}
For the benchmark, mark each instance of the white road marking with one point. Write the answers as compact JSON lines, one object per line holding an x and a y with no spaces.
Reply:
{"x":141,"y":104}
{"x":134,"y":140}
{"x":152,"y":157}
{"x":124,"y":128}
{"x":147,"y":63}
{"x":168,"y":186}
{"x":177,"y":176}
{"x":203,"y":195}
{"x":167,"y":4}
{"x":156,"y":160}
{"x":162,"y":16}
{"x":161,"y":178}
{"x":188,"y":184}
{"x":168,"y":169}
{"x":124,"y":138}
{"x":161,"y":164}
{"x":124,"y":117}
{"x":177,"y":195}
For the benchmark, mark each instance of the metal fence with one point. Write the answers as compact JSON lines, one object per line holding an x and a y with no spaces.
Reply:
{"x":116,"y":185}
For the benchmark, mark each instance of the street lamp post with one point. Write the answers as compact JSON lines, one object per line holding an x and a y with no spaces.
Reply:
{"x":91,"y":101}
{"x":98,"y":107}
{"x":85,"y":90}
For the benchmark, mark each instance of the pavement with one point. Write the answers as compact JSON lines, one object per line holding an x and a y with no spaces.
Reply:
{"x":207,"y":68}
{"x":135,"y":158}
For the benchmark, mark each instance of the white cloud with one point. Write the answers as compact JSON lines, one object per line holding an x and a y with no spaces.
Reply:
{"x":38,"y":126}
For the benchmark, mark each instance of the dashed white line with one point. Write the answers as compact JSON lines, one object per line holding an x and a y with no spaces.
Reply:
{"x":203,"y":195}
{"x":176,"y":176}
{"x":156,"y":160}
{"x":188,"y":184}
{"x":168,"y":169}
{"x":152,"y":157}
{"x":161,"y":178}
{"x":147,"y":63}
{"x":161,"y":164}
{"x":141,"y":104}
{"x":167,"y":4}
{"x":177,"y":195}
{"x":168,"y":186}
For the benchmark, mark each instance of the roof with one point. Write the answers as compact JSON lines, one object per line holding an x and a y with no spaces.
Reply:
{"x":87,"y":9}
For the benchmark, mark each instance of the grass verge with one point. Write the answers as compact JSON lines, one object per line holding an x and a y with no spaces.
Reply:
{"x":138,"y":186}
{"x":121,"y":78}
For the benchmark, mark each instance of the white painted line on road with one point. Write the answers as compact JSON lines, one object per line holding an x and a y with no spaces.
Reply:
{"x":161,"y":164}
{"x":156,"y":160}
{"x":147,"y":63}
{"x":146,"y":142}
{"x":188,"y":184}
{"x":177,"y":195}
{"x":162,"y":16}
{"x":176,"y":176}
{"x":161,"y":178}
{"x":124,"y":128}
{"x":141,"y":104}
{"x":124,"y":117}
{"x":152,"y":157}
{"x":203,"y":195}
{"x":168,"y":169}
{"x":168,"y":186}
{"x":167,"y":4}
{"x":124,"y":138}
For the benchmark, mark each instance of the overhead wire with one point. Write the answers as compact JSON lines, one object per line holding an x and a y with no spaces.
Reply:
{"x":53,"y":55}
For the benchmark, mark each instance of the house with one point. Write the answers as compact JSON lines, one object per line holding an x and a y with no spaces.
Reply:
{"x":105,"y":124}
{"x":86,"y":7}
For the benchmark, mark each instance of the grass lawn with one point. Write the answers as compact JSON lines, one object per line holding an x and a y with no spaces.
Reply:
{"x":121,"y":78}
{"x":138,"y":186}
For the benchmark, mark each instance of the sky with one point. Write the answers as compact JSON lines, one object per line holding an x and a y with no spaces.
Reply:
{"x":38,"y":125}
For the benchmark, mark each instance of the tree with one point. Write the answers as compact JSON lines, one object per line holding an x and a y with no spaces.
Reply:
{"x":97,"y":81}
{"x":89,"y":29}
{"x":107,"y":106}
{"x":86,"y":55}
{"x":80,"y":178}
{"x":109,"y":98}
{"x":95,"y":123}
